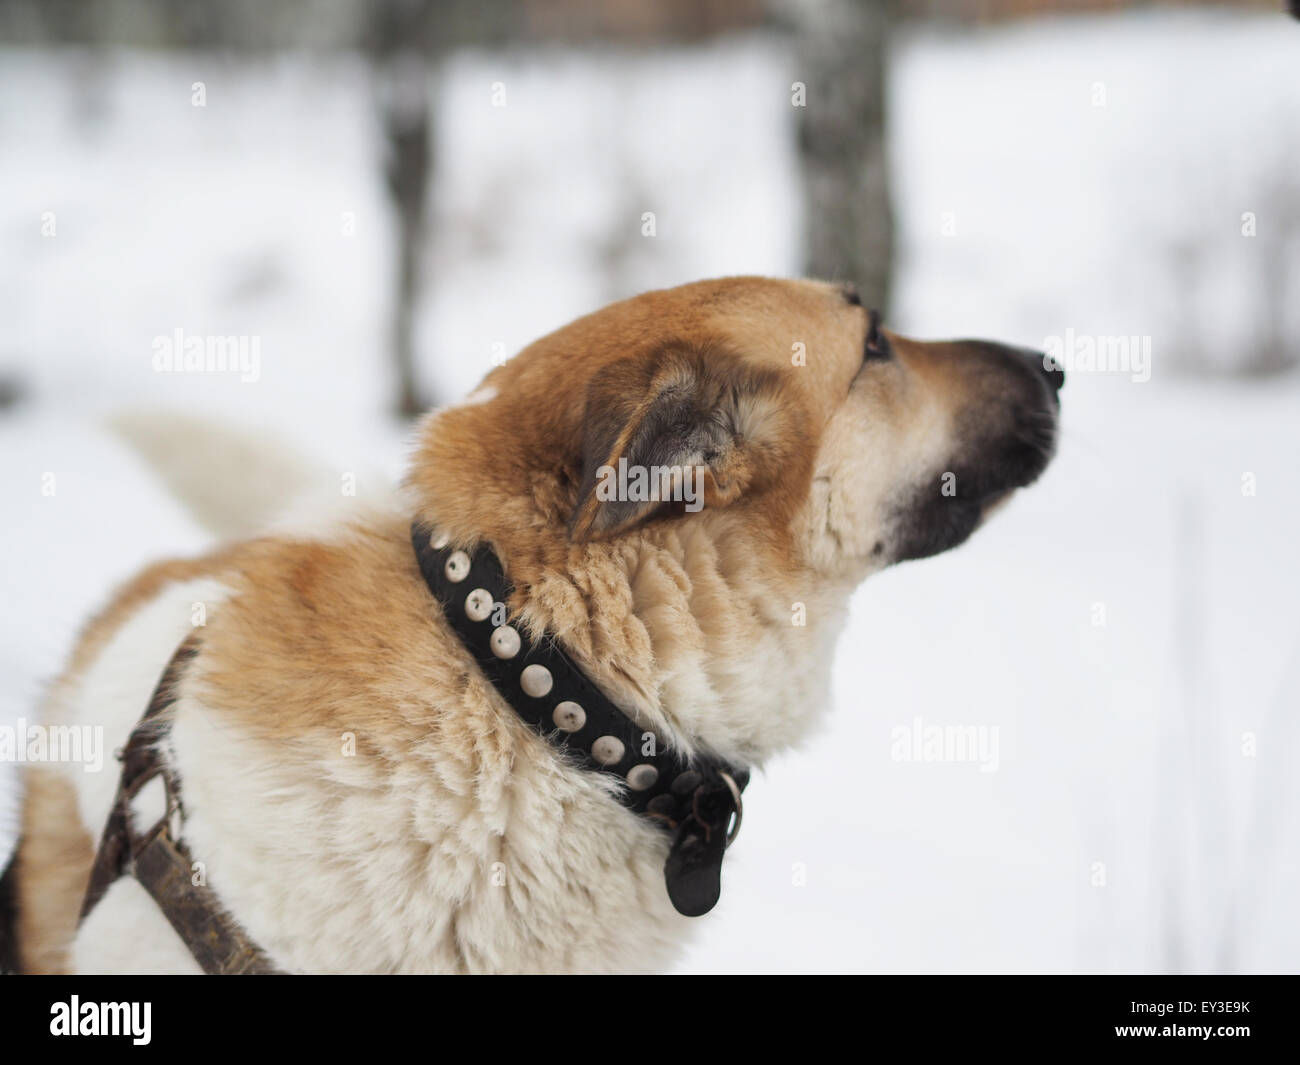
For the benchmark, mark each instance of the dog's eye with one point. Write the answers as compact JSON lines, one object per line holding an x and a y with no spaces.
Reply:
{"x":875,"y":348}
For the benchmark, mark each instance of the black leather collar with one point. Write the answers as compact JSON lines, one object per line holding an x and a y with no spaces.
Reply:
{"x":697,"y":801}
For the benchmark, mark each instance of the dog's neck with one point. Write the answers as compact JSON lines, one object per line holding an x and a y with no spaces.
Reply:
{"x":700,"y":642}
{"x":704,"y":627}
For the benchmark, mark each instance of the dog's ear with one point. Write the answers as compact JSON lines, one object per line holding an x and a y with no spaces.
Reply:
{"x":698,"y":425}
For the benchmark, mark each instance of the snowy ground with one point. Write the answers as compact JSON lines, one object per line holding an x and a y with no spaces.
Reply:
{"x":1123,"y":828}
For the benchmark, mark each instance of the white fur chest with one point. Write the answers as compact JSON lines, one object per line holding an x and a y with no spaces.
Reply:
{"x":492,"y":859}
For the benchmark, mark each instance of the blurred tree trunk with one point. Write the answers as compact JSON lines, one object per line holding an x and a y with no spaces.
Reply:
{"x":407,"y":41}
{"x":848,"y":221}
{"x":400,"y":46}
{"x":407,"y":166}
{"x":1275,"y":245}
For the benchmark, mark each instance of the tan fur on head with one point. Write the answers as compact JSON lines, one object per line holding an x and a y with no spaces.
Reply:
{"x":812,"y":444}
{"x":688,"y":407}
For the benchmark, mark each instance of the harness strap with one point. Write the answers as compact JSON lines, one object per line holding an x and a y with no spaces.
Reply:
{"x":157,"y":857}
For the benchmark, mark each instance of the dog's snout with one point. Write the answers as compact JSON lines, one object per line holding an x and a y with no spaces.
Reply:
{"x":1042,"y":364}
{"x":1049,"y":368}
{"x":1012,"y":359}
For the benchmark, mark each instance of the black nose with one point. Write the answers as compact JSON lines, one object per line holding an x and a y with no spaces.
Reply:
{"x":1049,"y":368}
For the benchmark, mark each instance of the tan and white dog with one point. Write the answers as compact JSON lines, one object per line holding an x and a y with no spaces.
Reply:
{"x":360,"y":797}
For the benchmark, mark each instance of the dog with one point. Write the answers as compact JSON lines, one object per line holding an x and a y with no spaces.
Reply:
{"x":356,"y":790}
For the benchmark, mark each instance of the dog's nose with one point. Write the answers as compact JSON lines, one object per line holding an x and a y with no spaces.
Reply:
{"x":1049,"y":368}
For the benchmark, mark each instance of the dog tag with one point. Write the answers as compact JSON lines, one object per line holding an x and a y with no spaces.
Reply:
{"x":693,"y":871}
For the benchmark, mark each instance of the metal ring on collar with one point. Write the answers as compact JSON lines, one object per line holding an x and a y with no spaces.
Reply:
{"x":734,"y":831}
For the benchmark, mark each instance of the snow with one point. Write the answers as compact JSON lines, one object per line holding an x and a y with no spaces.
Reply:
{"x":1120,"y":745}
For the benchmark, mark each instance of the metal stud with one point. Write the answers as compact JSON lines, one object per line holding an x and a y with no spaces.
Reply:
{"x":686,"y":782}
{"x":607,"y":750}
{"x":643,"y":776}
{"x":478,"y":604}
{"x":569,"y":716}
{"x":664,"y":805}
{"x":505,"y":642}
{"x":535,"y":680}
{"x":457,"y":567}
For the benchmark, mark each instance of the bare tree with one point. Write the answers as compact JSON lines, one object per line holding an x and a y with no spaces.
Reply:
{"x":849,"y":229}
{"x":407,"y":41}
{"x":1276,"y":246}
{"x":399,"y":41}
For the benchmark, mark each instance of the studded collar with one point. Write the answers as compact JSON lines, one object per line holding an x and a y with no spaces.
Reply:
{"x":698,"y":801}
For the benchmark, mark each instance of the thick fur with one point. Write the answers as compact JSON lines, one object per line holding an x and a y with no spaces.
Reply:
{"x":360,"y":798}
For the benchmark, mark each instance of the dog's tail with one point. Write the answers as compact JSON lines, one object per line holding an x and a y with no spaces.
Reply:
{"x":231,"y":479}
{"x":9,"y":916}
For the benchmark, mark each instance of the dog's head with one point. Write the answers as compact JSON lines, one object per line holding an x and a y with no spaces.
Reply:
{"x":774,"y":424}
{"x":781,"y":409}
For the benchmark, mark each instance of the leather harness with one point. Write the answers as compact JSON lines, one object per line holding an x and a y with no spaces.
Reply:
{"x":698,"y":802}
{"x":157,"y":857}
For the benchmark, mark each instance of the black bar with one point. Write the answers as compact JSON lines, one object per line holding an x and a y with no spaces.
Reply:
{"x":977,"y":1015}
